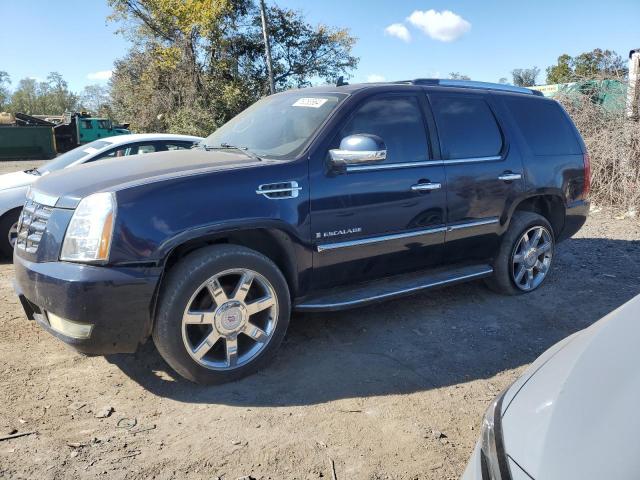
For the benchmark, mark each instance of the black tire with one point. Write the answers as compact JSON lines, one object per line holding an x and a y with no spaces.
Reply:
{"x":6,"y":222}
{"x":503,"y":281}
{"x":184,"y":279}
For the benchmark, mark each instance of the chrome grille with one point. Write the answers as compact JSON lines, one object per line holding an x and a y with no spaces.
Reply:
{"x":32,"y":225}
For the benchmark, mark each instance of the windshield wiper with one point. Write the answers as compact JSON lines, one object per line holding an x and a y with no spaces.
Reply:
{"x":33,"y":171}
{"x":226,"y":146}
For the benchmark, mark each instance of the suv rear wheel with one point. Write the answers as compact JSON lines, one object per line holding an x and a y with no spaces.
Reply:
{"x":223,"y":312}
{"x":525,"y":255}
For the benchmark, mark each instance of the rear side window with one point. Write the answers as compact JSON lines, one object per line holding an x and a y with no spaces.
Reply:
{"x":466,"y":127}
{"x":398,"y":121}
{"x":544,"y":126}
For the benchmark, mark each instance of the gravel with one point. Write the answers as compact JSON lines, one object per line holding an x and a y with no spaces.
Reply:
{"x":369,"y":392}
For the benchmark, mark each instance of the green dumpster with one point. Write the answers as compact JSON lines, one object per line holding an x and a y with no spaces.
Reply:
{"x":31,"y":142}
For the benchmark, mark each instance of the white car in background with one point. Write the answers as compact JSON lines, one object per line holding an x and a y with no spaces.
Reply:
{"x":574,"y":414}
{"x":14,"y":186}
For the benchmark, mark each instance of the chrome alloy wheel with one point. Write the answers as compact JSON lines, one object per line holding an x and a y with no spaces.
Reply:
{"x":230,"y":319}
{"x":13,"y":234}
{"x":531,"y":258}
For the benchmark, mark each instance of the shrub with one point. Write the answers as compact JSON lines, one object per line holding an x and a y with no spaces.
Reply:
{"x":613,"y":143}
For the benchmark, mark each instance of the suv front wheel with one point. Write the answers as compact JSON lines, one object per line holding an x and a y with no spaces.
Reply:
{"x":525,"y":256}
{"x":223,"y":312}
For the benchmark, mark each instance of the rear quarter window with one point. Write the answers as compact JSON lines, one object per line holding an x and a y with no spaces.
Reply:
{"x":466,"y":126}
{"x":544,"y":126}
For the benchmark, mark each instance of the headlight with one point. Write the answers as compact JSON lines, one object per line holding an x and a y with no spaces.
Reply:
{"x":493,"y":457}
{"x":88,"y":237}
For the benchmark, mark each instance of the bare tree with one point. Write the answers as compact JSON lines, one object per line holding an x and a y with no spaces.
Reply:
{"x":525,"y":77}
{"x":458,"y":76}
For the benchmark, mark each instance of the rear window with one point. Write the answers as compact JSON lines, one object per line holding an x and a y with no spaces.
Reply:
{"x":544,"y":125}
{"x":466,"y":127}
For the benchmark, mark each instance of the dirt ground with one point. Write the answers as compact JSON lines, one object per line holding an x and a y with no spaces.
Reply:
{"x":361,"y":392}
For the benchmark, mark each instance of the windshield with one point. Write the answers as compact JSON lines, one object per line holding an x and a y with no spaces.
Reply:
{"x":276,"y":126}
{"x":72,"y":156}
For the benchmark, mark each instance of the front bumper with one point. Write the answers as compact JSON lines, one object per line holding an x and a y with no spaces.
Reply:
{"x":117,"y":301}
{"x":475,"y":470}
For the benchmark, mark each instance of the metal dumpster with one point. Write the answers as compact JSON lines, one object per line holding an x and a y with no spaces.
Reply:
{"x":33,"y":142}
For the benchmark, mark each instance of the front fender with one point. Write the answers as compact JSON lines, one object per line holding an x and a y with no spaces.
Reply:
{"x":12,"y":198}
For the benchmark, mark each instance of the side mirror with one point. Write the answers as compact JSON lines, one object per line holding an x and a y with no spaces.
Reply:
{"x":360,"y":149}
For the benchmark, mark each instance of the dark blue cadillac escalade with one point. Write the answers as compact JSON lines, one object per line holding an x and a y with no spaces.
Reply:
{"x":316,"y":199}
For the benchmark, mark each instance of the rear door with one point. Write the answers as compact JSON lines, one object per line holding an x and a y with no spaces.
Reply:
{"x":372,"y":221}
{"x":483,"y":169}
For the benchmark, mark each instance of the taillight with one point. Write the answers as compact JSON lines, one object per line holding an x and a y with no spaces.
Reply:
{"x":587,"y":175}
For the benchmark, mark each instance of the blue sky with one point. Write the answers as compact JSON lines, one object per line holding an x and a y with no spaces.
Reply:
{"x":484,"y":40}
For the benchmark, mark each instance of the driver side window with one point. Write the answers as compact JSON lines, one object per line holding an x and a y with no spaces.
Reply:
{"x":398,"y":121}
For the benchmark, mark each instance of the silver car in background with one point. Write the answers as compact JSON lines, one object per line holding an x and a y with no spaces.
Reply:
{"x":574,"y":414}
{"x":14,"y":186}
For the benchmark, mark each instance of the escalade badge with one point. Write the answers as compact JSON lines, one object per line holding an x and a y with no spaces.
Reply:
{"x":336,"y":233}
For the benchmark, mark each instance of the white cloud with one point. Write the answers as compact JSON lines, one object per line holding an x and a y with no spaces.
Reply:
{"x":398,"y":30}
{"x":101,"y":75}
{"x":374,"y":77}
{"x":445,"y":26}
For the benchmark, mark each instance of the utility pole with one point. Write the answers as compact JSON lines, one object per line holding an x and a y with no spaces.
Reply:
{"x":633,"y":90}
{"x":267,"y":47}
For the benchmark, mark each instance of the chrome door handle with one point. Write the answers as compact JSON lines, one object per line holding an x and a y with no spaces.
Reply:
{"x":510,"y":177}
{"x":421,"y":187}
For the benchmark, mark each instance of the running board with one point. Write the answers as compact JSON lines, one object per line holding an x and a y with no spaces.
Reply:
{"x":392,"y":287}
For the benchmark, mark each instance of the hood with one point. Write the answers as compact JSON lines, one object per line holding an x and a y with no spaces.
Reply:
{"x":72,"y":184}
{"x":16,"y":179}
{"x":577,"y":416}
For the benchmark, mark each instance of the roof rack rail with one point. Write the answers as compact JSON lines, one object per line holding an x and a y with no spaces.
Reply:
{"x":471,"y":84}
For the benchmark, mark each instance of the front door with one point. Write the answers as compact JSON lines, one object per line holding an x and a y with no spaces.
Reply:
{"x":483,"y":171}
{"x":373,"y":221}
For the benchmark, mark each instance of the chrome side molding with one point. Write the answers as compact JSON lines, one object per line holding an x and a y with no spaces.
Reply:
{"x":475,"y":223}
{"x":397,"y":236}
{"x":460,"y":161}
{"x":382,"y":238}
{"x":390,"y":166}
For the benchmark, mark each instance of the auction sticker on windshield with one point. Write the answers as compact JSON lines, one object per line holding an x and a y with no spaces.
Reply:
{"x":310,"y":102}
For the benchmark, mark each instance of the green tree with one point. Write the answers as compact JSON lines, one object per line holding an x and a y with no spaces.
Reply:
{"x":5,"y":94}
{"x":525,"y":77}
{"x":561,"y":72}
{"x":49,"y":97}
{"x":25,"y":97}
{"x":597,"y":64}
{"x":194,"y":64}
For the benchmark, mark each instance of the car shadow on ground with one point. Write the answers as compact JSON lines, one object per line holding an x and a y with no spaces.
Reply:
{"x":430,"y":340}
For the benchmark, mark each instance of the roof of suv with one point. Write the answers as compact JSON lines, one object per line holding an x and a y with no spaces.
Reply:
{"x":428,"y":82}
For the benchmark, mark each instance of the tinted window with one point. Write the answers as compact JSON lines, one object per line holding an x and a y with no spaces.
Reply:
{"x":146,"y":149}
{"x":179,"y":145}
{"x":398,"y":121}
{"x":544,"y":125}
{"x":74,"y":155}
{"x":278,"y":125}
{"x":466,"y":126}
